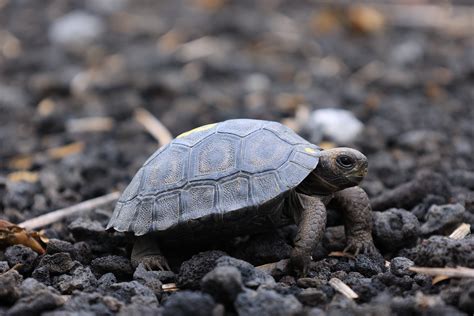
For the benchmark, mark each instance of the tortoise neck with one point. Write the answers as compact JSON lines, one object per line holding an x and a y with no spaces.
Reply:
{"x":314,"y":184}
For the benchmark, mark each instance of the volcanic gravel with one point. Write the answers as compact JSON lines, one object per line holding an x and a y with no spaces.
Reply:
{"x":196,"y":62}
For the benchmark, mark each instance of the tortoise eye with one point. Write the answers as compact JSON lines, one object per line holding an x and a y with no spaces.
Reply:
{"x":345,"y":161}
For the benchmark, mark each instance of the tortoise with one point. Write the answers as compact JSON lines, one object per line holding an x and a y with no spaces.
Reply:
{"x":241,"y":177}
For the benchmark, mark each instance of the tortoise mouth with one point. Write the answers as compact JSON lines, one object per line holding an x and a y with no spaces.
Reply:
{"x":356,"y":178}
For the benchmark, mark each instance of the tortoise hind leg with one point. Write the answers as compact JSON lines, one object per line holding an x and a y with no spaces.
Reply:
{"x":147,"y":251}
{"x":310,"y":216}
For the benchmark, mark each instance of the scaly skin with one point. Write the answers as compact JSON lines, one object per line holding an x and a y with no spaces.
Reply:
{"x":311,"y":221}
{"x":355,"y":205}
{"x":146,"y":251}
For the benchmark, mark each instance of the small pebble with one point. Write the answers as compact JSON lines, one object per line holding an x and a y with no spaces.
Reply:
{"x":399,"y":266}
{"x":328,"y":122}
{"x":23,"y":255}
{"x":76,"y":28}
{"x":223,"y":283}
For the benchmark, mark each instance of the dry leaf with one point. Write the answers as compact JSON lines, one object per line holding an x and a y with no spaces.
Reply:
{"x":343,"y":288}
{"x":341,"y":254}
{"x":11,"y":234}
{"x":462,"y":231}
{"x":365,"y":19}
{"x":439,"y":278}
{"x":66,"y":150}
{"x":26,"y":176}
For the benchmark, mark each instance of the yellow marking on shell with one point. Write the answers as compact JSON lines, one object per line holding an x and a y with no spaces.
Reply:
{"x":309,"y":150}
{"x":197,"y":129}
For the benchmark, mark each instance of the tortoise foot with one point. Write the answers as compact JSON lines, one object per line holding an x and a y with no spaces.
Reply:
{"x":299,"y":262}
{"x":152,"y":262}
{"x":360,"y":245}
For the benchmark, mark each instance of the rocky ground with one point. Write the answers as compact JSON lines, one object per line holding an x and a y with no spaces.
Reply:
{"x":196,"y":62}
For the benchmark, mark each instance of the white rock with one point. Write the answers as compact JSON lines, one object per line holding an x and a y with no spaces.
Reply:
{"x":256,"y":82}
{"x":107,"y":6}
{"x":407,"y":52}
{"x":338,"y":125}
{"x":77,"y":28}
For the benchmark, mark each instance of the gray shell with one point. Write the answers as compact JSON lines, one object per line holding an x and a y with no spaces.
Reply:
{"x":211,"y":170}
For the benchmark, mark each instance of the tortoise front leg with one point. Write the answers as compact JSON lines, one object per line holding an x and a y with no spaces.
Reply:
{"x":355,"y":205}
{"x":147,"y":251}
{"x":310,"y":217}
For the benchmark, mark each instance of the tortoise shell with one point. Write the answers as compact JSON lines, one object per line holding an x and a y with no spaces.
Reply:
{"x":211,"y":170}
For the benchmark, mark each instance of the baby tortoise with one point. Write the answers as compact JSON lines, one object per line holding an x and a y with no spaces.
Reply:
{"x":242,"y":177}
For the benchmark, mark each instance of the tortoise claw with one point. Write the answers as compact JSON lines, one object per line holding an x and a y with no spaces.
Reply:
{"x":155,"y":262}
{"x":358,"y":246}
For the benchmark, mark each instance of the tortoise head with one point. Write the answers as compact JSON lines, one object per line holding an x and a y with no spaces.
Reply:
{"x":340,"y":168}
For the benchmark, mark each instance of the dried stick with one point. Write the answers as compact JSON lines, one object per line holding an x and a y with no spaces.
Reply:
{"x":458,"y":272}
{"x":455,"y":19}
{"x":153,"y":126}
{"x":57,"y":215}
{"x":343,"y":288}
{"x":462,"y":231}
{"x":169,"y":287}
{"x":274,"y":267}
{"x":90,"y":124}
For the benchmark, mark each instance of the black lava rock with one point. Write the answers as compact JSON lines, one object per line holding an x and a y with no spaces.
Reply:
{"x":139,"y":309}
{"x":121,"y":267}
{"x":90,"y":304}
{"x":263,"y":248}
{"x":369,"y":265}
{"x":399,"y":266}
{"x":251,"y":276}
{"x":81,"y":278}
{"x":9,"y":287}
{"x":166,"y":276}
{"x":57,"y":263}
{"x":32,"y":286}
{"x":41,"y":301}
{"x":394,"y":229}
{"x":223,"y":283}
{"x":148,"y":278}
{"x":4,"y":266}
{"x":466,"y":300}
{"x":440,"y":251}
{"x":20,"y":254}
{"x":106,"y":280}
{"x":264,"y":302}
{"x":83,"y":252}
{"x":133,"y":292}
{"x":364,"y":287}
{"x":442,"y":219}
{"x":194,"y":269}
{"x":56,"y":245}
{"x":312,"y":297}
{"x":185,"y":303}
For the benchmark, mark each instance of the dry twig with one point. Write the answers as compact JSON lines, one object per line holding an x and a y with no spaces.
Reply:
{"x":66,"y":150}
{"x":90,"y":124}
{"x":454,"y":19}
{"x":343,"y":288}
{"x":153,"y":126}
{"x":169,"y":287}
{"x":27,"y":176}
{"x":57,"y":215}
{"x":462,"y":231}
{"x":458,"y":272}
{"x":272,"y":268}
{"x":341,"y":254}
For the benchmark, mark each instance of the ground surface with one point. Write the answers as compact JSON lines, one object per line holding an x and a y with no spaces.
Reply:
{"x":197,"y":62}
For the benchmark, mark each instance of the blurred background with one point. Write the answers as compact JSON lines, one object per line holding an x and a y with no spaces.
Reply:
{"x":393,"y":79}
